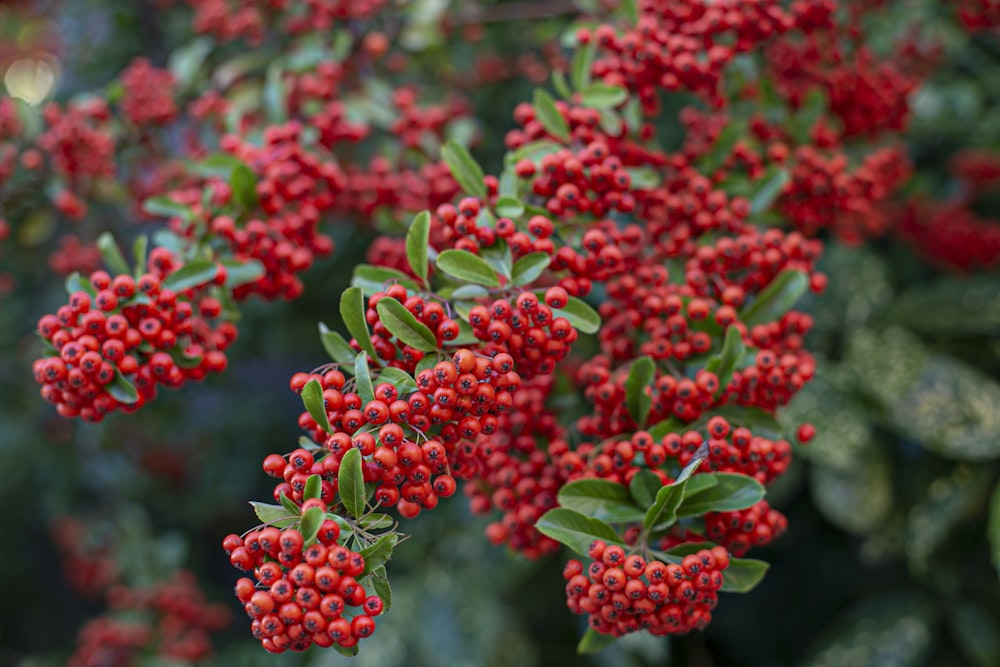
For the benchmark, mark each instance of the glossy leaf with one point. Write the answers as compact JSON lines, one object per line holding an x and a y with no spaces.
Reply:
{"x":575,"y":530}
{"x":380,"y":552}
{"x":725,"y":362}
{"x":663,"y":512}
{"x":594,"y":642}
{"x":312,"y":519}
{"x":274,"y":515}
{"x":312,"y":398}
{"x":164,"y":207}
{"x":732,"y":492}
{"x":372,"y":279}
{"x":336,"y":346}
{"x":112,"y":254}
{"x":351,"y":482}
{"x":603,"y":96}
{"x":776,"y":299}
{"x":548,"y":115}
{"x":529,"y":268}
{"x":402,"y":324}
{"x":244,"y":186}
{"x":466,"y":171}
{"x":352,"y":311}
{"x":314,"y":487}
{"x":242,"y":272}
{"x":380,"y":582}
{"x":643,"y":488}
{"x":638,"y":401}
{"x":417,"y":238}
{"x":139,"y":247}
{"x":743,"y":575}
{"x":583,"y":318}
{"x":580,"y":67}
{"x":723,"y":147}
{"x":463,"y":265}
{"x":769,"y":188}
{"x":509,"y":207}
{"x":400,"y":379}
{"x":363,"y":380}
{"x":600,"y":499}
{"x":194,"y":274}
{"x":122,"y":390}
{"x":186,"y":61}
{"x":274,"y":95}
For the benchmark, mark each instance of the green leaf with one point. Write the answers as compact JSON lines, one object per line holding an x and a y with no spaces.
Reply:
{"x":185,"y":62}
{"x":463,"y":265}
{"x":220,"y":165}
{"x":191,"y":275}
{"x":725,"y":362}
{"x":583,"y":318}
{"x":534,"y":151}
{"x":631,"y":10}
{"x":372,"y":279}
{"x":244,"y":186}
{"x":529,"y":268}
{"x":400,"y":379}
{"x":643,"y":178}
{"x":122,"y":390}
{"x":993,"y":528}
{"x":548,"y":115}
{"x":663,"y":512}
{"x":976,"y":633}
{"x":274,"y":515}
{"x":380,"y":581}
{"x":314,"y":487}
{"x":417,"y":238}
{"x":580,"y":68}
{"x":242,"y":272}
{"x":509,"y":207}
{"x":637,"y":401}
{"x":351,"y":482}
{"x":743,"y":575}
{"x":560,"y":84}
{"x":770,"y":187}
{"x":611,"y":122}
{"x":336,"y":345}
{"x":352,"y":311}
{"x":112,"y":254}
{"x":644,"y":487}
{"x":575,"y":530}
{"x":603,"y":96}
{"x":363,"y":379}
{"x":348,"y":651}
{"x":312,"y":519}
{"x":776,"y":299}
{"x":164,"y":207}
{"x":467,"y":292}
{"x":77,"y":283}
{"x":499,"y":257}
{"x":312,"y":399}
{"x":594,"y":642}
{"x":289,"y":505}
{"x":600,"y":499}
{"x":380,"y":552}
{"x":375,"y":521}
{"x":275,"y":96}
{"x":723,"y":146}
{"x":402,"y":324}
{"x":466,"y":171}
{"x":139,"y":247}
{"x":732,"y":492}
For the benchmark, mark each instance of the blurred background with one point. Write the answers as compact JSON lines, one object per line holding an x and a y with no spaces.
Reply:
{"x":888,"y":556}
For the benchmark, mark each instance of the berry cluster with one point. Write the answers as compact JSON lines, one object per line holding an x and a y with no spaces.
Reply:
{"x":623,"y":594}
{"x":147,"y":98}
{"x":126,"y":332}
{"x":302,"y":591}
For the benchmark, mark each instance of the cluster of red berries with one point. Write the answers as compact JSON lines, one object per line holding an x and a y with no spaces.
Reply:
{"x":302,"y":591}
{"x":738,"y":531}
{"x":78,"y":142}
{"x":951,"y":235}
{"x":979,"y":14}
{"x":133,"y":329}
{"x":73,"y":255}
{"x":172,"y":619}
{"x":626,"y":593}
{"x":147,"y":97}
